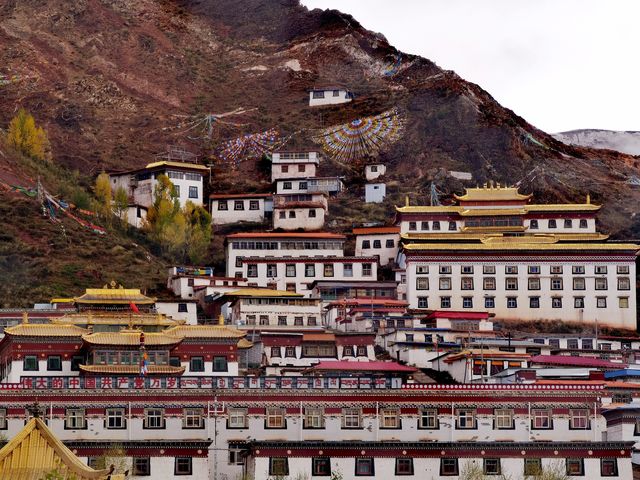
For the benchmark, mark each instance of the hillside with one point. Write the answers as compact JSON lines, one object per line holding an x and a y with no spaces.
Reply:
{"x":115,"y":82}
{"x":625,"y":142}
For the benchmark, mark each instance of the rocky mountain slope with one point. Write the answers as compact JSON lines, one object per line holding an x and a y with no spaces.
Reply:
{"x":625,"y":142}
{"x":116,"y":81}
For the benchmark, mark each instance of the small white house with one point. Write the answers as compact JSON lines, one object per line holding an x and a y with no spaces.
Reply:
{"x":294,"y":164}
{"x":245,"y":207}
{"x":378,"y":241}
{"x":136,"y":215}
{"x":329,"y":95}
{"x":374,"y":192}
{"x":374,"y":171}
{"x":299,"y":211}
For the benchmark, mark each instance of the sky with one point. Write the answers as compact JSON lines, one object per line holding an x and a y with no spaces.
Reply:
{"x":560,"y":64}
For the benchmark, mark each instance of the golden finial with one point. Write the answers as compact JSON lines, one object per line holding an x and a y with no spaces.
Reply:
{"x":25,"y":317}
{"x":588,"y":198}
{"x":221,"y":320}
{"x":406,"y":200}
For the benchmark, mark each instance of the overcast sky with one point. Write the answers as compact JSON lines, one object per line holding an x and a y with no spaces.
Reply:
{"x":561,"y":64}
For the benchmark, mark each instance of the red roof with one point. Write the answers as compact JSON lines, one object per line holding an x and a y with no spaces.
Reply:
{"x":347,"y":366}
{"x":216,"y":196}
{"x":565,"y":360}
{"x":458,"y":315}
{"x":335,"y":236}
{"x":375,"y":230}
{"x":375,"y":301}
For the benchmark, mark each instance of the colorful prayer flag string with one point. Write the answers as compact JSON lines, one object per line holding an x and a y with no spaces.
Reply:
{"x":250,"y":146}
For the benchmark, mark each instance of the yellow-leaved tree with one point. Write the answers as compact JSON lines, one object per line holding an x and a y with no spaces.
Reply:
{"x":26,"y":137}
{"x":102,"y":190}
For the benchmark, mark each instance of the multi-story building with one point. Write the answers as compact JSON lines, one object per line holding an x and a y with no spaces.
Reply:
{"x":280,"y":245}
{"x":236,"y":208}
{"x":299,"y":211}
{"x":294,"y":164}
{"x":495,"y":251}
{"x":381,"y":241}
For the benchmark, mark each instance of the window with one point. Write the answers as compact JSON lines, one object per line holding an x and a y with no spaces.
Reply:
{"x":541,"y":419}
{"x":578,"y":283}
{"x":422,"y":283}
{"x":568,"y":223}
{"x":390,"y":243}
{"x":532,"y":466}
{"x":292,"y":214}
{"x":467,"y":302}
{"x":445,"y":302}
{"x":252,"y":270}
{"x":577,"y":269}
{"x":489,"y":283}
{"x":313,"y":418}
{"x":552,"y":223}
{"x":466,"y":269}
{"x":280,"y":465}
{"x":533,"y":283}
{"x":30,"y":363}
{"x":115,"y":419}
{"x":556,"y":302}
{"x":347,"y":351}
{"x":237,"y":418}
{"x":491,"y":466}
{"x":286,"y":185}
{"x":196,"y":364}
{"x":511,"y":283}
{"x":275,"y":418}
{"x":511,"y":269}
{"x":390,"y":418}
{"x":364,"y":467}
{"x":600,"y":269}
{"x":290,"y":352}
{"x":512,"y":302}
{"x":436,"y":225}
{"x":222,"y":205}
{"x":284,"y":169}
{"x":272,"y":270}
{"x":347,"y":269}
{"x":533,"y":224}
{"x":556,"y":284}
{"x":503,"y":419}
{"x":290,"y":270}
{"x":445,"y":269}
{"x":153,"y":418}
{"x":489,"y":269}
{"x":579,"y":419}
{"x":575,"y":467}
{"x":282,"y":215}
{"x":489,"y":302}
{"x":309,"y":270}
{"x":424,"y":225}
{"x":623,"y":302}
{"x":377,"y":244}
{"x":328,"y":269}
{"x":555,"y":269}
{"x":465,"y":418}
{"x":361,"y":351}
{"x":452,"y":226}
{"x":351,"y":418}
{"x":302,"y":168}
{"x":423,"y":302}
{"x":298,"y":321}
{"x":624,"y":283}
{"x":404,"y":466}
{"x":320,"y":467}
{"x":366,"y":270}
{"x":303,"y":185}
{"x":219,"y":364}
{"x":176,"y":190}
{"x":554,"y":343}
{"x":448,"y":467}
{"x":601,"y":302}
{"x":238,"y":205}
{"x":466,"y":283}
{"x":428,"y":419}
{"x":235,"y":457}
{"x":192,"y":418}
{"x":193,"y":192}
{"x":75,"y":419}
{"x":276,"y":352}
{"x":587,"y":344}
{"x":54,"y":363}
{"x":578,"y":302}
{"x":445,"y":283}
{"x":141,"y":466}
{"x":609,"y":467}
{"x":534,"y":269}
{"x":312,"y":213}
{"x":622,"y":269}
{"x":413,"y":226}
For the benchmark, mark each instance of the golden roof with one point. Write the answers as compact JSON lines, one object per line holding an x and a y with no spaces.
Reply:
{"x":556,"y":207}
{"x":123,"y":296}
{"x":487,"y":193}
{"x":190,"y":166}
{"x":262,"y":292}
{"x":132,"y":369}
{"x":204,"y":331}
{"x":118,"y":318}
{"x":522,"y":245}
{"x":45,"y":330}
{"x":35,"y":452}
{"x":243,"y":343}
{"x":484,"y":212}
{"x":468,"y":211}
{"x":561,"y":237}
{"x":130,"y":338}
{"x":61,"y":300}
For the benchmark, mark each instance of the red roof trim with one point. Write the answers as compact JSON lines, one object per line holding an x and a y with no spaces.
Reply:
{"x":286,"y":235}
{"x":376,"y":230}
{"x":216,"y":196}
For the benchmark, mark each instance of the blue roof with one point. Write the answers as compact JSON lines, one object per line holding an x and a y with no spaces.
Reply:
{"x":625,"y":372}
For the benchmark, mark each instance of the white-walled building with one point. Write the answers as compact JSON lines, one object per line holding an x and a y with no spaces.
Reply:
{"x":374,"y":171}
{"x":312,"y":185}
{"x":235,"y":208}
{"x":136,"y":215}
{"x":375,"y":192}
{"x":329,"y":95}
{"x":187,"y":179}
{"x":496,"y":252}
{"x":294,"y":164}
{"x":301,"y":211}
{"x":184,"y":310}
{"x":280,"y":245}
{"x":383,"y":242}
